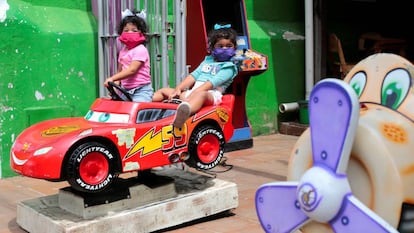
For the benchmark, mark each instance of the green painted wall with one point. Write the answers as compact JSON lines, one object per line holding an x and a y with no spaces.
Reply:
{"x":280,"y":34}
{"x":48,"y":65}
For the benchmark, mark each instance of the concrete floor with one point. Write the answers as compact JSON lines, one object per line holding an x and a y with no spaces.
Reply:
{"x":266,"y":162}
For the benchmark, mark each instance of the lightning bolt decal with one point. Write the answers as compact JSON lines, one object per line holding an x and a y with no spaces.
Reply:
{"x":148,"y":143}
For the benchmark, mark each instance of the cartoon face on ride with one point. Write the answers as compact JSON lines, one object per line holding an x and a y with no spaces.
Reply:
{"x":118,"y":136}
{"x":380,"y":157}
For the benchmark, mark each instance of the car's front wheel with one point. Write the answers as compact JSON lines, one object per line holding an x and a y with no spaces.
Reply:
{"x":91,"y":167}
{"x":206,"y":147}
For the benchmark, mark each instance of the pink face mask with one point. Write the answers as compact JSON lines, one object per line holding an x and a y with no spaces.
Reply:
{"x":132,"y":39}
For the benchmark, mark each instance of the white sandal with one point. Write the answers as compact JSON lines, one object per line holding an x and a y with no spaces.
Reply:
{"x":183,"y":112}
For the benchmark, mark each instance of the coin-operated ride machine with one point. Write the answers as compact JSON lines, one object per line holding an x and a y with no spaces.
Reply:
{"x":201,"y":17}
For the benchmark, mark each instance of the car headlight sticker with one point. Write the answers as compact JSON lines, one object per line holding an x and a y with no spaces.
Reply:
{"x":42,"y":151}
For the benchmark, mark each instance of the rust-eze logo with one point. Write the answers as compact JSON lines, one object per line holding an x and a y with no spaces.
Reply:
{"x":59,"y":130}
{"x":223,"y":115}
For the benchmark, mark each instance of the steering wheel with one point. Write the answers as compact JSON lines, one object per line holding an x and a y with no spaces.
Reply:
{"x":115,"y":96}
{"x":173,"y":101}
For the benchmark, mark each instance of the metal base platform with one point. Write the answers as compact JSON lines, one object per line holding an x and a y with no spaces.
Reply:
{"x":182,"y":197}
{"x":238,"y":145}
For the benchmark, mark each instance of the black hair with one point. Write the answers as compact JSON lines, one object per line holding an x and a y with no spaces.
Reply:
{"x":134,"y":19}
{"x":222,"y":33}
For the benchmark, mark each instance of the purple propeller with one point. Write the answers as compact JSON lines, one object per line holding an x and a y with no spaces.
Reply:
{"x":323,"y":193}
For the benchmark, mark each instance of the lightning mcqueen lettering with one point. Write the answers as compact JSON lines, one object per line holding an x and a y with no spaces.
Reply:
{"x":168,"y":138}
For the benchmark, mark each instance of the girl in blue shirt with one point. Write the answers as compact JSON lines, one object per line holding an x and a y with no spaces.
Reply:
{"x":207,"y":83}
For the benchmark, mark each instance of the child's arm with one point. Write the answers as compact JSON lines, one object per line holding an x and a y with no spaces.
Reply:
{"x":132,"y":69}
{"x":205,"y":87}
{"x":186,"y":84}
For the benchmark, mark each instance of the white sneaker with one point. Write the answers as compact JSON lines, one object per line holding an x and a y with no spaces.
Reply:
{"x":183,"y":112}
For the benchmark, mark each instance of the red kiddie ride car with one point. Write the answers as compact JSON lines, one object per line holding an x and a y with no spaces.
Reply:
{"x":119,"y":136}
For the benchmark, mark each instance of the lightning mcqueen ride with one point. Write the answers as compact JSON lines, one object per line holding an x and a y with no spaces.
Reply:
{"x":118,"y":136}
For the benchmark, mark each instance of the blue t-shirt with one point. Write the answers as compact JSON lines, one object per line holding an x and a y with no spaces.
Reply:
{"x":220,"y":74}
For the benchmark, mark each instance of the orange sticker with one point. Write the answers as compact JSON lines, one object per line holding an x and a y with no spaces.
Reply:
{"x":59,"y":130}
{"x":223,"y":115}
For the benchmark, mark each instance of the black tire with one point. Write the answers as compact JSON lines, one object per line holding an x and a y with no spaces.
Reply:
{"x":91,"y":167}
{"x":206,"y":147}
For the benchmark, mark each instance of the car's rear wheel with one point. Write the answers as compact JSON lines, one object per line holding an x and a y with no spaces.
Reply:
{"x":206,"y":147}
{"x":91,"y":167}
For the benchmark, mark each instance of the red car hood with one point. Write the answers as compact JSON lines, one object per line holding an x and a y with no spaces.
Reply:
{"x":52,"y":133}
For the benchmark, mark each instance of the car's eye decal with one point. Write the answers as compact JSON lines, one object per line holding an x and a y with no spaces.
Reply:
{"x":358,"y":82}
{"x":107,"y":117}
{"x":395,"y":88}
{"x":104,"y":117}
{"x":89,"y":115}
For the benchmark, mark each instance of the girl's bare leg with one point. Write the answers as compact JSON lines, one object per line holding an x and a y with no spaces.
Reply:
{"x":191,"y":105}
{"x":162,"y":94}
{"x":198,"y":100}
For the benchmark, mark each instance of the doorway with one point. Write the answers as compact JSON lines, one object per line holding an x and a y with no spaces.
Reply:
{"x":351,"y":19}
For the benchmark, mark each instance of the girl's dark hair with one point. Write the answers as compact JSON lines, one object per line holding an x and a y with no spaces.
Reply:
{"x":222,"y":33}
{"x":137,"y":21}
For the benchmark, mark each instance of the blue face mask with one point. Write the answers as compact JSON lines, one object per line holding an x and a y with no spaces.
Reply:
{"x":223,"y":54}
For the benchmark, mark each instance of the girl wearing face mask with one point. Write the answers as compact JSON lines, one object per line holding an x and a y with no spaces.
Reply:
{"x":133,"y":59}
{"x":206,"y":84}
